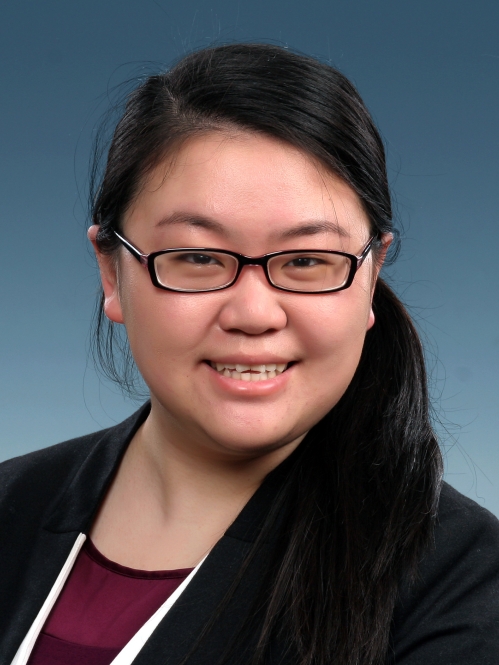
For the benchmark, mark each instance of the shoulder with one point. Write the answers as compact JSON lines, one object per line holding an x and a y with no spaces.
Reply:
{"x":37,"y":467}
{"x":451,"y":612}
{"x":453,"y":503}
{"x":464,"y":531}
{"x":29,"y":483}
{"x":43,"y":471}
{"x":466,"y":539}
{"x":46,"y":459}
{"x":465,"y":527}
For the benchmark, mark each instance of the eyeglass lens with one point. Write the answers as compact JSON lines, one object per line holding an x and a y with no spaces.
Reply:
{"x":201,"y":271}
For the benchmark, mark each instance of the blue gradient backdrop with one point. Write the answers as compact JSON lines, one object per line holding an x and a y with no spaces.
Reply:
{"x":429,"y":72}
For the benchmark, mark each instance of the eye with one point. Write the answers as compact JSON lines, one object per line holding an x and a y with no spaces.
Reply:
{"x":198,"y":258}
{"x":304,"y":262}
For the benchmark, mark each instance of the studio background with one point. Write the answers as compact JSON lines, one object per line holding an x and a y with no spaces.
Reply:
{"x":428,"y":71}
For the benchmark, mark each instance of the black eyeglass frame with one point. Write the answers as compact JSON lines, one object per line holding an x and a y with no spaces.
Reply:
{"x":147,"y":260}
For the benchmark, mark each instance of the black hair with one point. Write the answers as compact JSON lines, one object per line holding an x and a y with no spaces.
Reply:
{"x":361,"y":504}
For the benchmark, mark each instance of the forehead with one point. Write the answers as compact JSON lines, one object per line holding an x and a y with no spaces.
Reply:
{"x":243,"y":182}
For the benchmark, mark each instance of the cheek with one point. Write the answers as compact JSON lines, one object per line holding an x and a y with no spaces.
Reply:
{"x":164,"y":329}
{"x":334,"y":332}
{"x":335,"y":327}
{"x":335,"y":337}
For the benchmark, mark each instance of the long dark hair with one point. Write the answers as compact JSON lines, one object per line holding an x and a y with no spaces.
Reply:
{"x":362,"y":502}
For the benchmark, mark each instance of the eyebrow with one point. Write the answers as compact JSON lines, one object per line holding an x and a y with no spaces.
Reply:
{"x":193,"y":220}
{"x":309,"y":228}
{"x":314,"y":228}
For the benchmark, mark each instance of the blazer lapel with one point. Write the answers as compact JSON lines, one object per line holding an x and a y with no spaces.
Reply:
{"x":43,"y":554}
{"x":49,"y":554}
{"x":77,"y":505}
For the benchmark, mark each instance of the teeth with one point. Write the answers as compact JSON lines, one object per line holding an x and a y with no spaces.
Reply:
{"x":250,"y":372}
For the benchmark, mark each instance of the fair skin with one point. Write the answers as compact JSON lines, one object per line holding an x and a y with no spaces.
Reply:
{"x":210,"y":439}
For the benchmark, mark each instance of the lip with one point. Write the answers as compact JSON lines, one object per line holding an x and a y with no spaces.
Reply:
{"x":249,"y":388}
{"x":251,"y":360}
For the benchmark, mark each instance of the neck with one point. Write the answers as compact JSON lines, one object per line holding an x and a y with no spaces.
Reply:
{"x":190,"y":463}
{"x":179,"y":492}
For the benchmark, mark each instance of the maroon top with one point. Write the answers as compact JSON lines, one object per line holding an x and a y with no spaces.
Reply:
{"x":100,"y":608}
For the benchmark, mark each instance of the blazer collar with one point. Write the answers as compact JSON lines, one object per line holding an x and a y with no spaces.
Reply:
{"x":76,"y":505}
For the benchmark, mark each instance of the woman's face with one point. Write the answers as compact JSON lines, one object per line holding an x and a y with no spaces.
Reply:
{"x":254,"y":195}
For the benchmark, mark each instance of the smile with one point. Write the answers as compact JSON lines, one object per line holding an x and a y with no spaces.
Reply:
{"x":250,"y":372}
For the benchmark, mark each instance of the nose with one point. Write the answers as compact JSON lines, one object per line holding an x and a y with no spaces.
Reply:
{"x":252,"y":306}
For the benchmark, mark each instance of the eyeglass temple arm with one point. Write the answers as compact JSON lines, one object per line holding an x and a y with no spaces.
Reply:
{"x":141,"y":258}
{"x":366,"y":251}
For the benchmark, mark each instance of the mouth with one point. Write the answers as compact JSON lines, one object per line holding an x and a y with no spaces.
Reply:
{"x":241,"y":372}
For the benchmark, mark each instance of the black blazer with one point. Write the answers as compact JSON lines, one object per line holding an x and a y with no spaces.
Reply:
{"x":450,"y":617}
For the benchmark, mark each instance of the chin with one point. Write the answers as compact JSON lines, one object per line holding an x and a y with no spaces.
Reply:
{"x":253,"y":441}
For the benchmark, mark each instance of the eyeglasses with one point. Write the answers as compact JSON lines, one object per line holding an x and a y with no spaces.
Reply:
{"x":202,"y":269}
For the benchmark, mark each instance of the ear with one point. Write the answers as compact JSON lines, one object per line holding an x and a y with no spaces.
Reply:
{"x":386,"y":241}
{"x":109,"y":279}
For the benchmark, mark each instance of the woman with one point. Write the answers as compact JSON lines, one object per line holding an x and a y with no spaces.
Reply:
{"x":279,"y":499}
